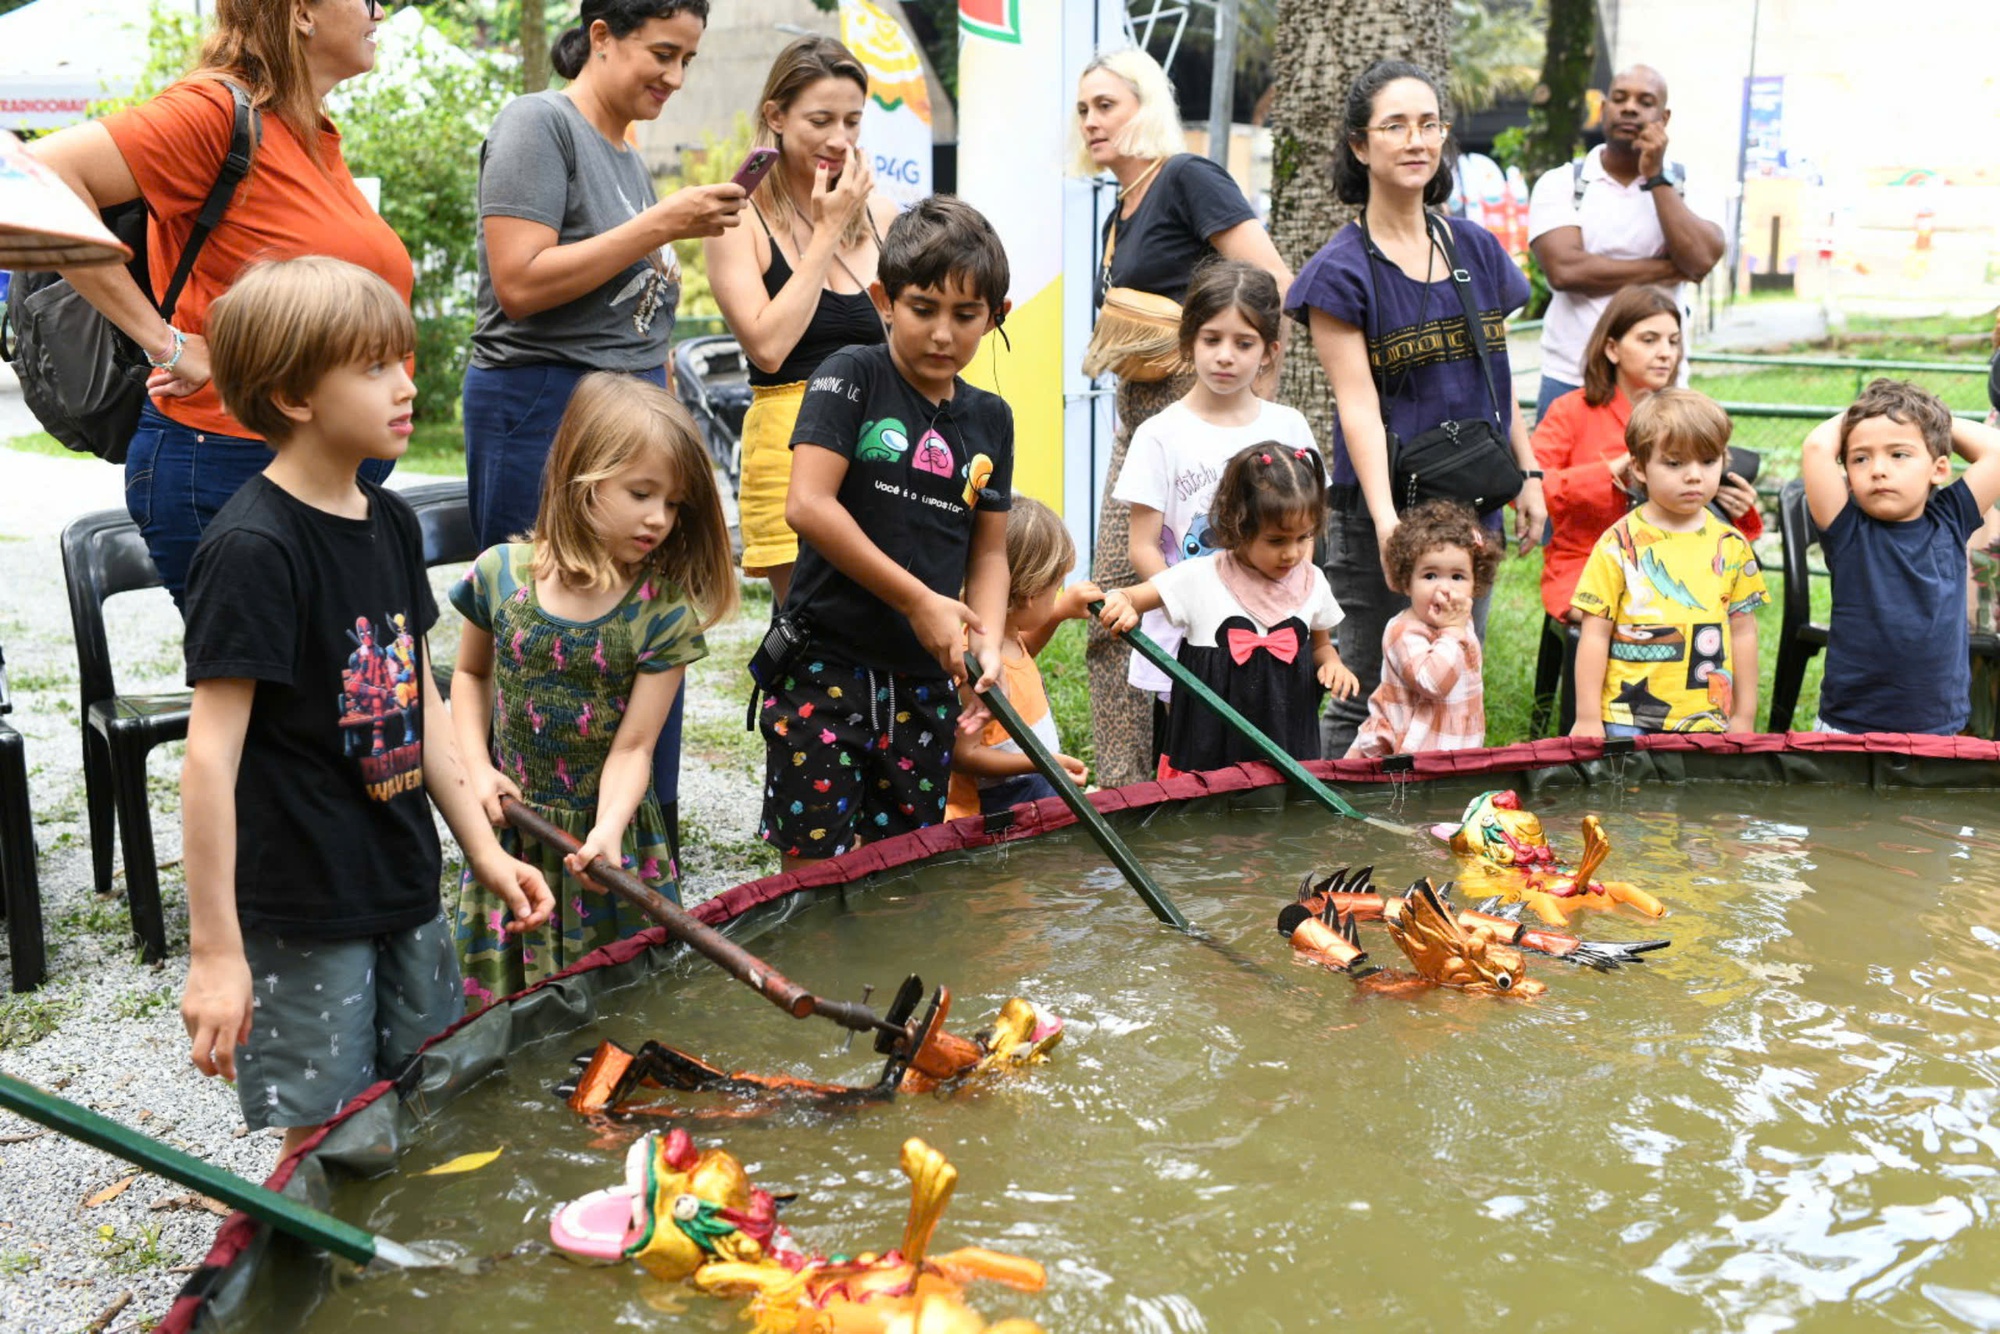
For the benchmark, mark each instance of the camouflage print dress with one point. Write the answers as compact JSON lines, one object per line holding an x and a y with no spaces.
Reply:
{"x":560,"y":690}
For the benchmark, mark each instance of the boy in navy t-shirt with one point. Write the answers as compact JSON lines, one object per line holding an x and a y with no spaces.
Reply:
{"x":902,"y":475}
{"x":1895,"y":526}
{"x":319,"y":956}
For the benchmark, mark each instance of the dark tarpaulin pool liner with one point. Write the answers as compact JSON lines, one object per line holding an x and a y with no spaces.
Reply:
{"x":237,"y":1290}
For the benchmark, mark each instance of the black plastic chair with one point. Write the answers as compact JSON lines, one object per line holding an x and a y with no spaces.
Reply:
{"x":20,"y":891}
{"x":103,"y":556}
{"x":1800,"y":637}
{"x":444,"y":515}
{"x":1555,"y":679}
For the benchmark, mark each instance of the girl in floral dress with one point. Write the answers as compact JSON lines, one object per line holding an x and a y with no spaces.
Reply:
{"x":574,"y":647}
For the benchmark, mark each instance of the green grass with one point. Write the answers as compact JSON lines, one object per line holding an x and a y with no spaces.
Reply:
{"x":436,"y":449}
{"x":1067,"y":682}
{"x":1830,"y":389}
{"x":41,"y":442}
{"x":33,"y":1016}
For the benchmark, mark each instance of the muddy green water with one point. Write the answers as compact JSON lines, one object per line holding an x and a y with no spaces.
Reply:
{"x":1784,"y":1122}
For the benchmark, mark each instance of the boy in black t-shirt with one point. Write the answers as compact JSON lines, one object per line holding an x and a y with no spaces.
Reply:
{"x":902,"y":475}
{"x":316,"y":940}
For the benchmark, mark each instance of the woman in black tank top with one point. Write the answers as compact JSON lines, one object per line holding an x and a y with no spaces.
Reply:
{"x":794,"y":284}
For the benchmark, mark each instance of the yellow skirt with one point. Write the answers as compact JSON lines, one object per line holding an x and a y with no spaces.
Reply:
{"x":767,"y":473}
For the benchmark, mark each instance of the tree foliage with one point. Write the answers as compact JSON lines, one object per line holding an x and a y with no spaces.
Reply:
{"x":711,"y":164}
{"x":419,"y":133}
{"x":1496,"y":50}
{"x":1557,"y":109}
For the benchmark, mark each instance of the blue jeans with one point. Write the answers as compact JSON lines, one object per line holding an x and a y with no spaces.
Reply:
{"x":176,"y":478}
{"x":1550,"y":391}
{"x":511,"y":414}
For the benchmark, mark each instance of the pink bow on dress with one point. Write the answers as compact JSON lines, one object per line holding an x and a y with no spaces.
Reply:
{"x":1282,"y":644}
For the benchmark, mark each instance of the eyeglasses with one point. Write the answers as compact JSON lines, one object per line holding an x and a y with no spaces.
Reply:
{"x":1430,"y":131}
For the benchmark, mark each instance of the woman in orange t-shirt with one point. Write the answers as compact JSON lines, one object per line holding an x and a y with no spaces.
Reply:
{"x":189,"y":456}
{"x":1580,"y":442}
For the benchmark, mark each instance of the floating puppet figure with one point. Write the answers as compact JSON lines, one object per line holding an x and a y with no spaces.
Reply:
{"x":1449,"y":947}
{"x":614,"y":1080}
{"x":1505,"y":853}
{"x":691,"y":1215}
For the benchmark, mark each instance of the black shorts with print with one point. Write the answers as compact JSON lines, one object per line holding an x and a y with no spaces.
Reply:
{"x":853,"y":754}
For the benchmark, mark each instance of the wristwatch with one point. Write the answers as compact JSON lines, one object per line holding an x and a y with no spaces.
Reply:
{"x":1656,"y":181}
{"x":1531,"y":474}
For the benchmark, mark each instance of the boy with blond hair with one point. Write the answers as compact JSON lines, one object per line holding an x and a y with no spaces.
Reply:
{"x":320,"y":958}
{"x":1894,"y":531}
{"x":1668,"y":596}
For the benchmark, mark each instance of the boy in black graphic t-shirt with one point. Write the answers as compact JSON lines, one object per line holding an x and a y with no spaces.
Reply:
{"x":320,"y":959}
{"x":902,"y":475}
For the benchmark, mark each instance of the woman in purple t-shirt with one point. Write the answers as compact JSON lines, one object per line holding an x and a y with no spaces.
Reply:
{"x":1379,"y":298}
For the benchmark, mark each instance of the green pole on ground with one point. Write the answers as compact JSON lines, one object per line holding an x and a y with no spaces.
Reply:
{"x":266,"y":1206}
{"x":1184,"y":680}
{"x":1086,"y":814}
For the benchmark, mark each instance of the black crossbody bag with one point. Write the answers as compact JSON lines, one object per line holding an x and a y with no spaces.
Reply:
{"x":1468,"y":459}
{"x":84,"y":380}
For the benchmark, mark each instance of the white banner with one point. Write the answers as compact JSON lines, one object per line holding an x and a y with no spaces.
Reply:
{"x":896,"y":129}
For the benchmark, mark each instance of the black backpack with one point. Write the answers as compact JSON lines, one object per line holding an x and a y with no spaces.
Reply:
{"x":84,"y":380}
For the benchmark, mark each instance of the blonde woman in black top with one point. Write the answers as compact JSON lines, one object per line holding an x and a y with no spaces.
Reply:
{"x":1175,"y":208}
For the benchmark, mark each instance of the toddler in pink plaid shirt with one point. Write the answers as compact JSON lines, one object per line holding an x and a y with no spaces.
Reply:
{"x":1431,"y":696}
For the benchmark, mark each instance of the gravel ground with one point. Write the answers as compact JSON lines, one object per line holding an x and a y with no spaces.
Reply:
{"x":106,"y":1031}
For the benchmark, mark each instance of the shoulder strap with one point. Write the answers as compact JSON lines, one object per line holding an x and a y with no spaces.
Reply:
{"x":1577,"y":186}
{"x":1461,"y":283}
{"x":243,"y":138}
{"x":1373,"y":327}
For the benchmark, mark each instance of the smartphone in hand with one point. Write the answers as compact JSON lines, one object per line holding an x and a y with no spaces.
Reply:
{"x":756,"y":166}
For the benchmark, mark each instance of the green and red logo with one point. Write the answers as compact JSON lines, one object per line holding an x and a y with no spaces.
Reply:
{"x":997,"y":19}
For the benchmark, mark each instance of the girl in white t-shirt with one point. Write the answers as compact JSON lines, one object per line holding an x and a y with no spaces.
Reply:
{"x":1229,"y":332}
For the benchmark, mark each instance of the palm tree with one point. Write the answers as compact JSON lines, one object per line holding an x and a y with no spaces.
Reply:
{"x":1322,"y":47}
{"x":1496,"y":50}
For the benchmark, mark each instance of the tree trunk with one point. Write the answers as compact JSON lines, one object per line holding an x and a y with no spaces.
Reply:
{"x":534,"y":46}
{"x":1322,"y":46}
{"x":1556,"y":108}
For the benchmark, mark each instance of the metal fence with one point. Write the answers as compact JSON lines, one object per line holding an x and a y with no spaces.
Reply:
{"x":1775,"y":401}
{"x":1743,"y":378}
{"x":1776,"y":430}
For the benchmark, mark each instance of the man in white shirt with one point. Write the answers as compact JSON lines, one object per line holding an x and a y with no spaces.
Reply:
{"x":1618,"y":218}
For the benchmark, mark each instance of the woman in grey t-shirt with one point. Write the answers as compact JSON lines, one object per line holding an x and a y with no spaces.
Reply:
{"x":575,"y":270}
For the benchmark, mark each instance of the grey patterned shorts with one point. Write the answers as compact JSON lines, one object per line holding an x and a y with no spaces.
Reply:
{"x":331,"y":1017}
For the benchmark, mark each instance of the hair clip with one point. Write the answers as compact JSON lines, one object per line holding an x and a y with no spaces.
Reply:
{"x":1299,"y":454}
{"x":1264,"y":458}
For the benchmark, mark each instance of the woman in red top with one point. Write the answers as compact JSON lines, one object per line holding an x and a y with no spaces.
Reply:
{"x":188,"y":456}
{"x":1580,"y":443}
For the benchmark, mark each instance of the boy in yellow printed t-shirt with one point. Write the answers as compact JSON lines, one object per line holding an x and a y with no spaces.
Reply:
{"x":1669,"y":642}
